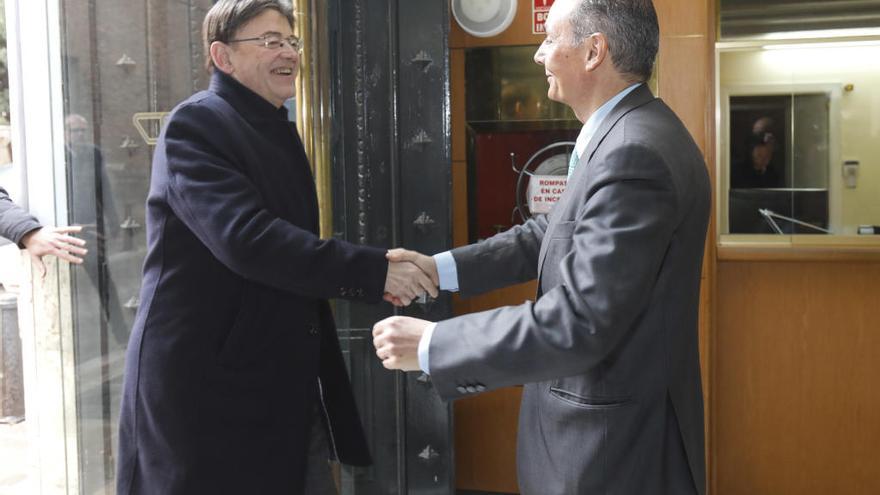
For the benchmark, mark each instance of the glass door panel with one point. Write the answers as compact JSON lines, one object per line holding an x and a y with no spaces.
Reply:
{"x":124,"y":63}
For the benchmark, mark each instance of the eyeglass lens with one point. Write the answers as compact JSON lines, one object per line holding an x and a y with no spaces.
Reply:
{"x":275,"y":42}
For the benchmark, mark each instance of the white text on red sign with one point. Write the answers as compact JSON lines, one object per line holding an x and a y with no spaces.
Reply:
{"x":539,"y":15}
{"x":545,"y":191}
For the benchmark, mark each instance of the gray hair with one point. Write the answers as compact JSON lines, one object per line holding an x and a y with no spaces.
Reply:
{"x":226,"y":17}
{"x":631,"y":29}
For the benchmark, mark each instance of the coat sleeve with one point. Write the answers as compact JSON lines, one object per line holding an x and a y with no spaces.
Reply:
{"x":224,"y":209}
{"x":508,"y":258}
{"x":15,"y":222}
{"x":618,"y":242}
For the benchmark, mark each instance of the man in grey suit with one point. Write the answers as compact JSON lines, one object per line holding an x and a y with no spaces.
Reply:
{"x":608,"y":352}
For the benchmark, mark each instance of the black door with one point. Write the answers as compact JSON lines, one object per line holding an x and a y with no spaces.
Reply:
{"x":391,"y":187}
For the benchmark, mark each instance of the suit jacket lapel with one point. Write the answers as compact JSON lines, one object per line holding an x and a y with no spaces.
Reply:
{"x":630,"y":102}
{"x":638,"y":97}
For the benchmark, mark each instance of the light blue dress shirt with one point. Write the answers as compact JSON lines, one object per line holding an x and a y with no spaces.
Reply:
{"x":446,"y":268}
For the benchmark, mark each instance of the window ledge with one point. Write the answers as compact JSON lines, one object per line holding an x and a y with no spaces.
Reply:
{"x":798,"y":248}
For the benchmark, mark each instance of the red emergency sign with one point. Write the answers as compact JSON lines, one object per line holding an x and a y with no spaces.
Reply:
{"x":540,"y":8}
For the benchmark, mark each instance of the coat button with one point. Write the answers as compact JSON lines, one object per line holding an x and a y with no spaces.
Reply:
{"x":461,"y":390}
{"x":313,"y":330}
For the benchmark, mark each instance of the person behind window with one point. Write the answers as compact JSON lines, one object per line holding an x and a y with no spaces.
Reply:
{"x":90,"y":205}
{"x":755,"y":169}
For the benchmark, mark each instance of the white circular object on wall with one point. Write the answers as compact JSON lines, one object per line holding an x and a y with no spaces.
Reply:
{"x":484,"y":18}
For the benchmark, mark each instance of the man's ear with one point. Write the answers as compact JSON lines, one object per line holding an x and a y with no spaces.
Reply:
{"x":597,"y":50}
{"x":220,"y":57}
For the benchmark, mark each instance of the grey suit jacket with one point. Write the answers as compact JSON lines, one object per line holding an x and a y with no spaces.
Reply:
{"x":15,"y":221}
{"x":609,"y":350}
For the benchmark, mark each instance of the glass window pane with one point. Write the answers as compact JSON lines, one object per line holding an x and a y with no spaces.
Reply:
{"x":820,"y":106}
{"x":514,"y":89}
{"x":123,"y":63}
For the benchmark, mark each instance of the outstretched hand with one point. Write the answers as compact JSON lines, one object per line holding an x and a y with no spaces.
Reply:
{"x":54,"y":241}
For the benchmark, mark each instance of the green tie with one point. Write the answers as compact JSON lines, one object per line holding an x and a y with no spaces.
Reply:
{"x":572,"y":162}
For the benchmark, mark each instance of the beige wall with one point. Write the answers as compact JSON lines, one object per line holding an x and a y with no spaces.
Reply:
{"x":858,"y":110}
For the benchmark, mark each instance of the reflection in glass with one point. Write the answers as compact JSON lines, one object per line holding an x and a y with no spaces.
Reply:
{"x":119,"y":59}
{"x":790,"y":125}
{"x":505,"y":84}
{"x":509,"y":119}
{"x":779,"y":163}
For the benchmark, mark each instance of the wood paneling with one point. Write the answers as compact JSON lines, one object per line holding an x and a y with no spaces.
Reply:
{"x":796,"y":407}
{"x":492,"y":466}
{"x":458,"y":103}
{"x":685,"y":17}
{"x":791,"y":251}
{"x":459,"y":209}
{"x":515,"y":294}
{"x":684,"y":65}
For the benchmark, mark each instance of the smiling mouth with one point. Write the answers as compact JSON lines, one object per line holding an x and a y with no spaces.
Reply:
{"x":284,"y":71}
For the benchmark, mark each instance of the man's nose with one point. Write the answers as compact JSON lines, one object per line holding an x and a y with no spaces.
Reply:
{"x":539,"y":55}
{"x":289,"y":52}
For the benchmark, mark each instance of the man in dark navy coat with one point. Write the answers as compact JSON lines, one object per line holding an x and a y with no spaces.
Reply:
{"x":234,"y":379}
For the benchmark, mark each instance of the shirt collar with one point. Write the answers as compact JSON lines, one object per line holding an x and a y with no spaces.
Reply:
{"x":595,"y":120}
{"x":246,"y":102}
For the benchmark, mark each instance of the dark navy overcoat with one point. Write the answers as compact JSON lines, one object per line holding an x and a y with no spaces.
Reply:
{"x":234,"y":343}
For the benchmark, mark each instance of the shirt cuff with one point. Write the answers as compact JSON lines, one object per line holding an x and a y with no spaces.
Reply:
{"x":447,"y":271}
{"x":424,"y":345}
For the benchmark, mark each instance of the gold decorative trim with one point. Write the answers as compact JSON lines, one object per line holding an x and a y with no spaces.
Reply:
{"x":141,"y":119}
{"x":313,"y":107}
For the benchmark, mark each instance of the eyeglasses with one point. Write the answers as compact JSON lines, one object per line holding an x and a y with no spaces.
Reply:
{"x":274,"y":41}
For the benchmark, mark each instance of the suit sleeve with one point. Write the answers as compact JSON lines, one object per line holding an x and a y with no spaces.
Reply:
{"x":508,"y":258}
{"x":224,"y":209}
{"x":605,"y":277}
{"x":15,"y":222}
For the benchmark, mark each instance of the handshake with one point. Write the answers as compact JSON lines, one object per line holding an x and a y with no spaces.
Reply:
{"x":410,"y":276}
{"x":396,"y":339}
